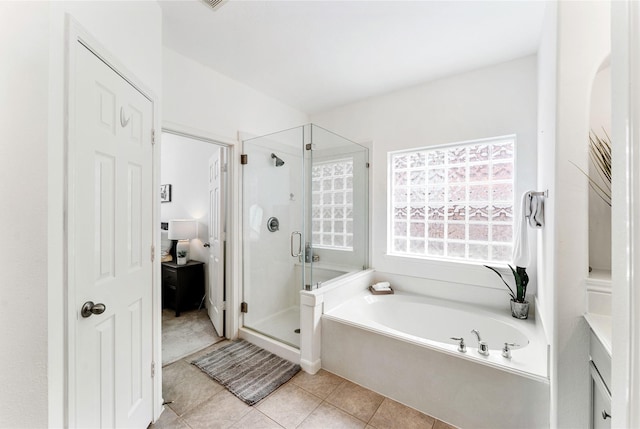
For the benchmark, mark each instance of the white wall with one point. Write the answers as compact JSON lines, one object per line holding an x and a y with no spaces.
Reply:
{"x":23,"y":255}
{"x":488,"y":102}
{"x":137,"y":46}
{"x":583,"y":45}
{"x":200,"y":98}
{"x":599,"y":211}
{"x":184,"y":164}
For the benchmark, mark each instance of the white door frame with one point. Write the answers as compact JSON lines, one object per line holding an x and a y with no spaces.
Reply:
{"x":233,"y":244}
{"x":76,"y":33}
{"x":625,"y":67}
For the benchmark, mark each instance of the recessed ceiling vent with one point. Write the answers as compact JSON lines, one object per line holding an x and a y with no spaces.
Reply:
{"x":214,"y":4}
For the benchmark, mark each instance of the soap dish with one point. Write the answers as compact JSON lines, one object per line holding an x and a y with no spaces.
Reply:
{"x":380,"y":292}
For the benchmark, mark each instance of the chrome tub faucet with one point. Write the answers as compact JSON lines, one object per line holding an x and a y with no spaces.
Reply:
{"x":483,"y":347}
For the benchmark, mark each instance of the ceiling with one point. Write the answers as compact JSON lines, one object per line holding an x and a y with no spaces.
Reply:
{"x":315,"y":55}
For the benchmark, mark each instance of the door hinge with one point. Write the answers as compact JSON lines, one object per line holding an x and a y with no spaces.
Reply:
{"x":224,"y":167}
{"x":153,"y":136}
{"x":367,"y":165}
{"x":223,"y":305}
{"x":153,"y":253}
{"x":153,"y":369}
{"x":244,"y":159}
{"x":244,"y":307}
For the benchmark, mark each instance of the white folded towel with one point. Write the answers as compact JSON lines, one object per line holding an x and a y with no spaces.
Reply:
{"x":521,"y":244}
{"x":381,"y":286}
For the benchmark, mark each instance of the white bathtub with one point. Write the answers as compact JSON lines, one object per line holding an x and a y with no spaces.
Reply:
{"x":400,"y":346}
{"x":431,"y":323}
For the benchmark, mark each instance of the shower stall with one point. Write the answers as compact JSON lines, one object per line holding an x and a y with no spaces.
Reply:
{"x":304,"y":219}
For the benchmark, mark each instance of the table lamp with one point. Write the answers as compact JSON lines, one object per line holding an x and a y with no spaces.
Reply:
{"x":182,"y":230}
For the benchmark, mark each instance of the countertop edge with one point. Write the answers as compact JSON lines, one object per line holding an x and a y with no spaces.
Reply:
{"x":601,"y":327}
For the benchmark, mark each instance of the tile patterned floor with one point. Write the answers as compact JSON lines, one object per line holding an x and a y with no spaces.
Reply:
{"x":320,"y":401}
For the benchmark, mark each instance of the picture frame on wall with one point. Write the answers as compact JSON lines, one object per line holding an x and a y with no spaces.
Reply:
{"x":165,"y":193}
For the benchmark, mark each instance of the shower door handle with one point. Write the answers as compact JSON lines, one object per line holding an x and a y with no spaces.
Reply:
{"x":299,"y":234}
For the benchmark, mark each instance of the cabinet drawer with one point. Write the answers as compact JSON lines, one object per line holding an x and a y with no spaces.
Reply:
{"x":601,"y":359}
{"x":600,"y":401}
{"x":169,"y":275}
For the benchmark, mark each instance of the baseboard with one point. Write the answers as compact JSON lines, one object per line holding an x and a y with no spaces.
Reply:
{"x":310,"y":367}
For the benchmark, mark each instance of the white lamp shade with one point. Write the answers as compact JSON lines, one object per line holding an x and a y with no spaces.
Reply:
{"x":182,"y":229}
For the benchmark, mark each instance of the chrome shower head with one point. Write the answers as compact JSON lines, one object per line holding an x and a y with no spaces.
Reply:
{"x":279,"y":162}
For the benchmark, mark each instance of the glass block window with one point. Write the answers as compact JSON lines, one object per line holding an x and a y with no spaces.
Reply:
{"x":454,"y":202}
{"x":332,"y":204}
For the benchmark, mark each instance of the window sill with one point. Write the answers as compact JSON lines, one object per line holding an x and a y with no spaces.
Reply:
{"x":464,"y":272}
{"x":450,"y":261}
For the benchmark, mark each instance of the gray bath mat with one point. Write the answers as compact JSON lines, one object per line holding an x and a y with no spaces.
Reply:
{"x":246,"y":370}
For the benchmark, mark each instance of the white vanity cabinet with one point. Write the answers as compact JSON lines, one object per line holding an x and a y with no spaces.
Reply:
{"x":600,"y":366}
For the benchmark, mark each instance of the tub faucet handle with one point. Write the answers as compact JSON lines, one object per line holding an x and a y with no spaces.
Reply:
{"x":506,"y":351}
{"x":462,"y":348}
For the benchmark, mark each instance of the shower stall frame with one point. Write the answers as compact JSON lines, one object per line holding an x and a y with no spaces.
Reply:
{"x":269,"y":213}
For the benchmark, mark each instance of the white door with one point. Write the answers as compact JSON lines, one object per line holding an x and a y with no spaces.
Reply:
{"x":110,"y":224}
{"x":215,"y":293}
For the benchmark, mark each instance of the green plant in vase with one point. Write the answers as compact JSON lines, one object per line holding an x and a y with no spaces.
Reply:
{"x":519,"y":304}
{"x":182,"y":257}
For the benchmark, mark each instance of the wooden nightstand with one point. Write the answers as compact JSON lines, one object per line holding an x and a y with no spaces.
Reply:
{"x":182,"y":285}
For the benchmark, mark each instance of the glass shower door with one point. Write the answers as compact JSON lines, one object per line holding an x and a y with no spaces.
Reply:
{"x":337,"y":209}
{"x":273,"y":234}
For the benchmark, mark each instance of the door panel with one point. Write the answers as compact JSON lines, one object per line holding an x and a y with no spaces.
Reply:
{"x":106,"y":339}
{"x":134,"y":221}
{"x":216,"y":240}
{"x":111,"y":200}
{"x":104,"y":216}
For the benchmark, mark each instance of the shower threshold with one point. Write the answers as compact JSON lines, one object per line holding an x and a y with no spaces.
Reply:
{"x":281,"y":326}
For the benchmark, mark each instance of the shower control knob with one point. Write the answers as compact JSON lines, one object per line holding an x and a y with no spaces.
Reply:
{"x":273,"y":224}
